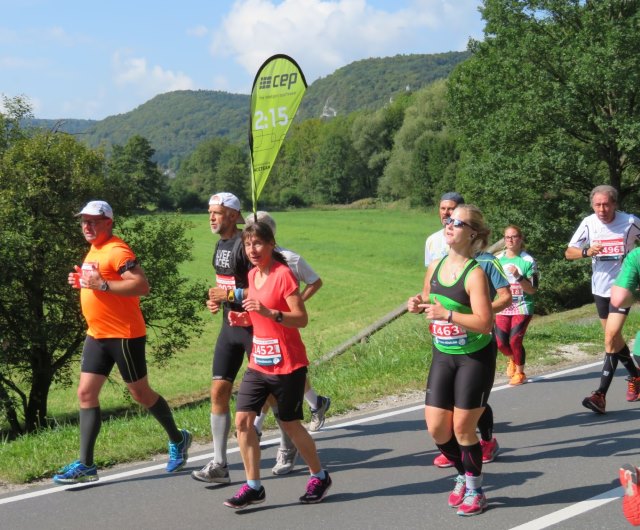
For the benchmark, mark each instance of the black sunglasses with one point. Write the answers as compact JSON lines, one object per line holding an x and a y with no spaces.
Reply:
{"x":457,"y":223}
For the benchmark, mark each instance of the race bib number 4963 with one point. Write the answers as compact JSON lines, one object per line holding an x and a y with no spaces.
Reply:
{"x":612,"y":249}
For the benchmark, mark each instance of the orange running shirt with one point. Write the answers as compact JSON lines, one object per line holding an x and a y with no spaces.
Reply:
{"x":108,"y":315}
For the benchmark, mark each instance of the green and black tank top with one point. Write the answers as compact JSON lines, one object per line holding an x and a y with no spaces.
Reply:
{"x":453,"y":338}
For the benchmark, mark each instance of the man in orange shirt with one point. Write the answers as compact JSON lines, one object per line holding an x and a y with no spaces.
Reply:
{"x":111,"y":283}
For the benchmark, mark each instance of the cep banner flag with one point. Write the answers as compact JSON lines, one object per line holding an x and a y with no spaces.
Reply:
{"x":276,"y":95}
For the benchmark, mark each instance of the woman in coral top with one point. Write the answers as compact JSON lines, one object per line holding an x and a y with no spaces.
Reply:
{"x":277,"y":365}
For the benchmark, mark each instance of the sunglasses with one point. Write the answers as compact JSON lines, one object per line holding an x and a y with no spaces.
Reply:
{"x":457,"y":223}
{"x":92,"y":222}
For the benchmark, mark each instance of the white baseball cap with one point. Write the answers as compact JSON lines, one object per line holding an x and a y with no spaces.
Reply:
{"x":97,"y":208}
{"x":229,"y":200}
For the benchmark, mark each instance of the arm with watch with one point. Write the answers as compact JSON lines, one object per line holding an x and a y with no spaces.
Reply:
{"x":295,"y":317}
{"x":132,"y":282}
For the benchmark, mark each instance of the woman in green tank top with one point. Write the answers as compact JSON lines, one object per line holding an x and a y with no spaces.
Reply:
{"x":455,"y":300}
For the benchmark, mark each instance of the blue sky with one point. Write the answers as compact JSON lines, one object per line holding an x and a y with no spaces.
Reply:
{"x":90,"y":60}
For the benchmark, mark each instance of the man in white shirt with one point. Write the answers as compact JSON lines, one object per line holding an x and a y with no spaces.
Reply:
{"x":606,"y":237}
{"x":435,"y":246}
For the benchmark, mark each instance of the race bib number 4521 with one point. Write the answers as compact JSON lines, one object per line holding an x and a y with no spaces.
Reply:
{"x":266,"y":352}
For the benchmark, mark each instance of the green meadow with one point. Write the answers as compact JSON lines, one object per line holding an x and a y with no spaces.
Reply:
{"x":371,"y":261}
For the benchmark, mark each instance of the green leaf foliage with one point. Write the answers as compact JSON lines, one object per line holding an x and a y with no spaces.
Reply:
{"x":546,"y":108}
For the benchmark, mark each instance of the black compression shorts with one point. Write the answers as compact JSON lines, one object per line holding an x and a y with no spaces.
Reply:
{"x":604,"y":307}
{"x":233,"y":344}
{"x":99,"y":356}
{"x":461,"y":381}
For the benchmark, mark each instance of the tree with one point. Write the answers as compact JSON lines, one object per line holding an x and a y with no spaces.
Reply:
{"x":136,"y":176}
{"x":547,"y":107}
{"x":215,"y":165}
{"x":339,"y":175}
{"x":45,"y":178}
{"x":423,"y":159}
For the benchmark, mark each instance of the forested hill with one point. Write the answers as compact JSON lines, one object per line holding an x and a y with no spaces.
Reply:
{"x":370,"y":83}
{"x":176,"y":122}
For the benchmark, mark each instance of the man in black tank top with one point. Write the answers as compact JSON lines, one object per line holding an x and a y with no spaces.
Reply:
{"x":234,"y":342}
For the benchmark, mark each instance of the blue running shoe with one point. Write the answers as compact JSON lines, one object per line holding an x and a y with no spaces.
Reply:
{"x":76,"y":472}
{"x":179,"y":453}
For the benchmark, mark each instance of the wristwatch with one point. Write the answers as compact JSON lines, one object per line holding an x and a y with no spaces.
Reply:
{"x":279,"y":316}
{"x":104,"y":286}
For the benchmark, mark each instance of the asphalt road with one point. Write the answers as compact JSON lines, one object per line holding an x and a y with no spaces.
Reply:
{"x":557,"y":468}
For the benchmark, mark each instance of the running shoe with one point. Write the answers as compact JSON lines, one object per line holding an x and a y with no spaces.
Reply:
{"x":76,"y":472}
{"x":245,"y":496}
{"x":457,"y":495}
{"x":489,"y":450}
{"x":316,"y":489}
{"x":596,"y":402}
{"x":511,"y":367}
{"x":285,"y":461}
{"x":518,"y":379}
{"x":631,"y":501}
{"x":474,"y":503}
{"x":212,"y":472}
{"x":442,"y":461}
{"x":633,"y":388}
{"x":318,"y":414}
{"x":179,"y":453}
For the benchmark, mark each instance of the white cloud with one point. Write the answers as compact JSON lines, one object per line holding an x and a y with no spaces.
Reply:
{"x":325,"y":35}
{"x":198,"y":31}
{"x":147,"y":80}
{"x":20,"y":63}
{"x":59,"y":35}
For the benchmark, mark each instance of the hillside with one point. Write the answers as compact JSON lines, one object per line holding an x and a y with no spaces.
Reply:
{"x":175,"y":122}
{"x":368,"y":84}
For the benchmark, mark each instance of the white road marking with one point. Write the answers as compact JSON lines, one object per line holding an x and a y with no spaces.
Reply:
{"x":542,"y":522}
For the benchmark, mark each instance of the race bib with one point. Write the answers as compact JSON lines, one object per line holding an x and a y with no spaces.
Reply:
{"x":612,"y":249}
{"x":447,"y":334}
{"x":266,"y":352}
{"x":516,"y":290}
{"x":228,"y":283}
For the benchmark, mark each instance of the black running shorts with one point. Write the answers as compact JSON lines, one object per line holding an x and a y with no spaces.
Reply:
{"x":287,"y":389}
{"x":99,"y":356}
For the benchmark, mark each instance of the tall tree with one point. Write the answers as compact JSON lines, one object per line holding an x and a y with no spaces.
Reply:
{"x":547,"y":107}
{"x":136,"y":175}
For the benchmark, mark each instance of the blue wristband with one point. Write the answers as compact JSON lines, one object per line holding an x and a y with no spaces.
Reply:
{"x":238,"y":294}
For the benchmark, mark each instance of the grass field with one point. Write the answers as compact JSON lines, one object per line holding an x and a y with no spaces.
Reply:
{"x":371,"y":261}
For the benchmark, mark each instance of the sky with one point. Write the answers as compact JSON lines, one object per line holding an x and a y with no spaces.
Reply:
{"x":88,"y":60}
